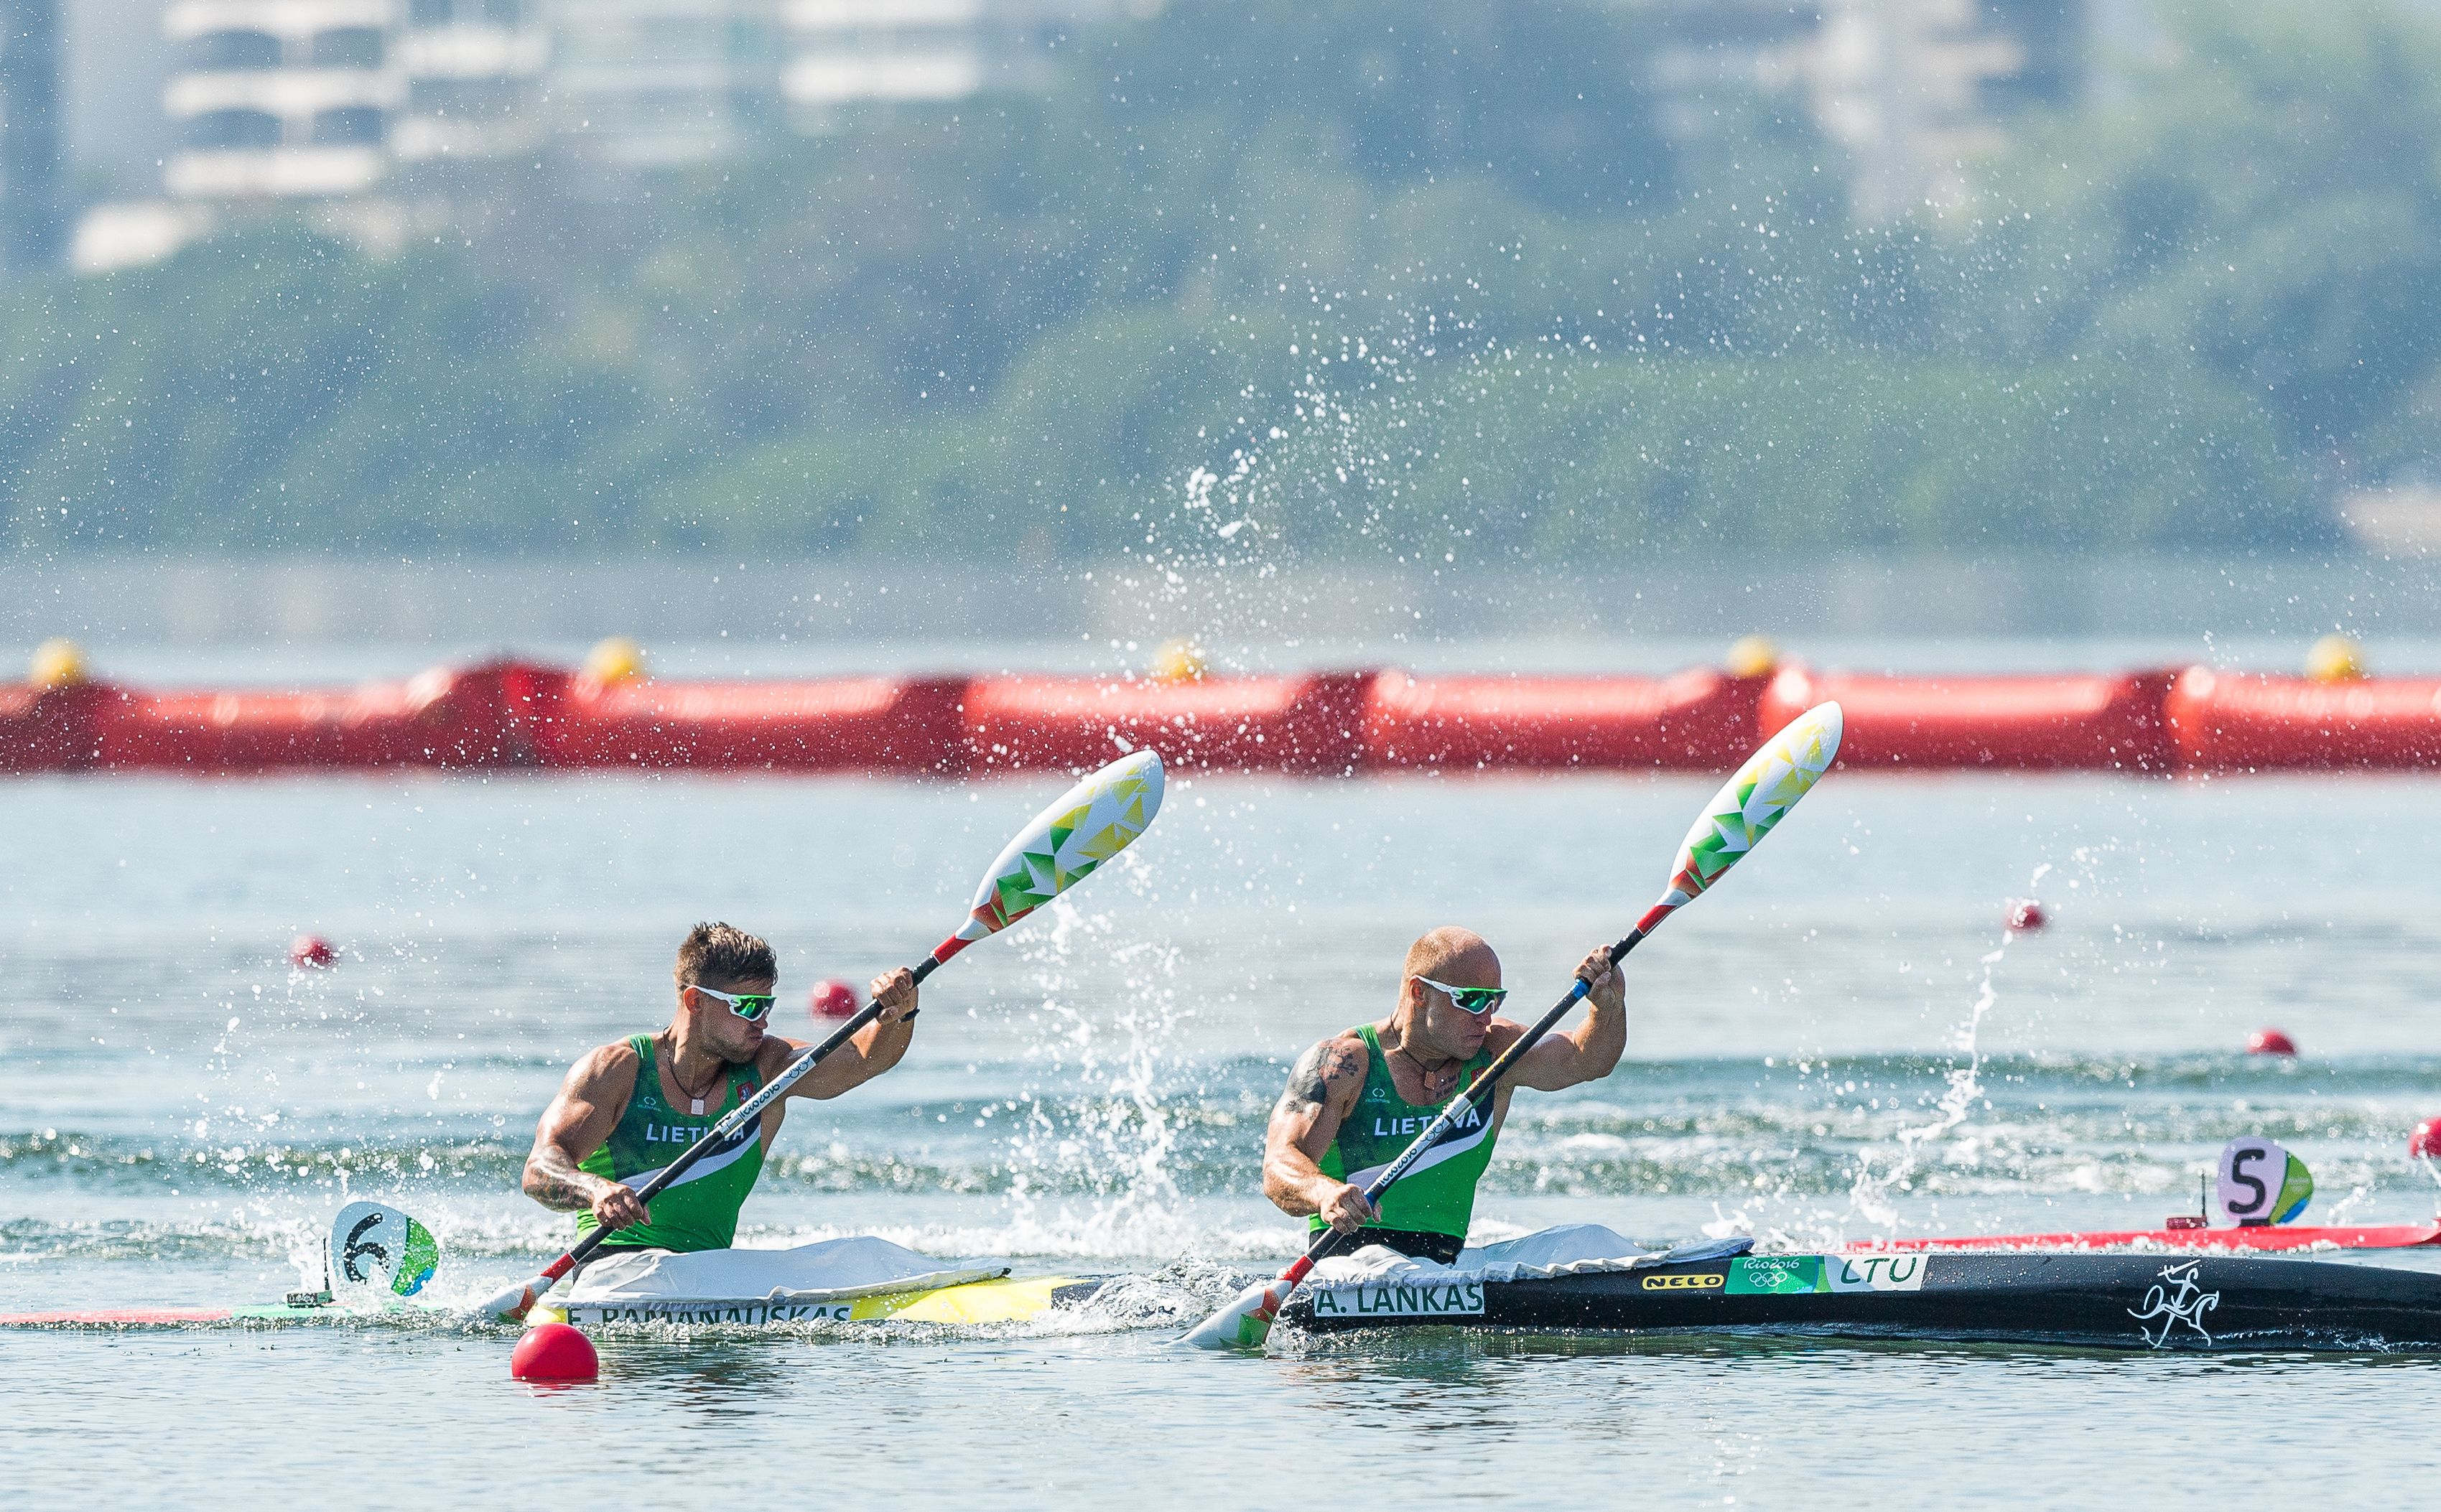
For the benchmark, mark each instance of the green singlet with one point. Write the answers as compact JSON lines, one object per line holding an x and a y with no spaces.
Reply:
{"x":700,"y":1212}
{"x":1436,"y":1194}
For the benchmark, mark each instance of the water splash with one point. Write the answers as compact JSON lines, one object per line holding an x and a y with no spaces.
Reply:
{"x":1870,"y":1196}
{"x":1119,"y":1137}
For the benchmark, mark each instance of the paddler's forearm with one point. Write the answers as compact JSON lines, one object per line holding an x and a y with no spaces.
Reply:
{"x":1294,"y":1183}
{"x":1602,"y":1039}
{"x":554,"y":1182}
{"x":1587,"y":1052}
{"x":870,"y":1051}
{"x":883,"y":1045}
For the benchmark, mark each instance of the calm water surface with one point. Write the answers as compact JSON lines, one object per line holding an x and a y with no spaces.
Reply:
{"x":184,"y":1114}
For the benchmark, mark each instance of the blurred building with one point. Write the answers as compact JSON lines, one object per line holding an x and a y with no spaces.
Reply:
{"x":1916,"y":89}
{"x":304,"y":99}
{"x":1708,"y":51}
{"x":370,"y":105}
{"x":641,"y":83}
{"x":308,"y":98}
{"x":30,"y":222}
{"x":1912,"y":89}
{"x":278,"y":98}
{"x":379,"y":112}
{"x":650,"y":83}
{"x":472,"y":73}
{"x":850,"y":53}
{"x":114,"y":66}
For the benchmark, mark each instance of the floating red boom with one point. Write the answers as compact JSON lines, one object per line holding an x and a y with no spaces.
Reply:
{"x":518,"y":714}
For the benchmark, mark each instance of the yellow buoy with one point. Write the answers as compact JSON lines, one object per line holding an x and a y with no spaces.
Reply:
{"x":1178,"y":660}
{"x":57,"y":664}
{"x":1753,"y":657}
{"x":2334,"y":658}
{"x":615,"y":659}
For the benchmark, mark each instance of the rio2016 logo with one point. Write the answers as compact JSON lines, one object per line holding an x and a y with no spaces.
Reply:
{"x":1779,"y":1278}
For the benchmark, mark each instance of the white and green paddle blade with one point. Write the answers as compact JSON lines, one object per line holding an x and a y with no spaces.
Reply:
{"x":1784,"y":769}
{"x":1245,"y":1323}
{"x":378,"y":1247}
{"x":1091,"y":822}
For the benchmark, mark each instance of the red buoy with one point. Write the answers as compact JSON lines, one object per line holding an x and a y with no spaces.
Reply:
{"x":2270,"y":1042}
{"x":2426,"y":1140}
{"x":311,"y":952}
{"x":554,"y":1352}
{"x":2026,"y":915}
{"x":833,"y":1000}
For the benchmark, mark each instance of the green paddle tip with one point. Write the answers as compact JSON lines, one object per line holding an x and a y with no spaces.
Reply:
{"x":1245,"y":1323}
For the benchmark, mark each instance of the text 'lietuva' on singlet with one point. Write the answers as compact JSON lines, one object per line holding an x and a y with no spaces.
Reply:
{"x":699,"y":1211}
{"x":1436,"y":1194}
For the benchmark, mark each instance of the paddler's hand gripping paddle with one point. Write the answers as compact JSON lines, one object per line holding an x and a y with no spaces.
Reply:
{"x":1093,"y":822}
{"x":1740,"y":815}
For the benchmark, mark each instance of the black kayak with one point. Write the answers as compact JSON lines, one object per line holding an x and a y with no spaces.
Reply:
{"x":2109,"y":1301}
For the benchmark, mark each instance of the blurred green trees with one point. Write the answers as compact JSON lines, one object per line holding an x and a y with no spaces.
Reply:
{"x":1418,"y":278}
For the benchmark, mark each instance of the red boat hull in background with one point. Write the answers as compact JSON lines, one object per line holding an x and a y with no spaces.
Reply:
{"x":1698,"y":720}
{"x":511,"y":715}
{"x":1312,"y":725}
{"x":2073,"y":722}
{"x":891,"y":725}
{"x":47,"y":729}
{"x":2275,"y":1237}
{"x":2228,"y":721}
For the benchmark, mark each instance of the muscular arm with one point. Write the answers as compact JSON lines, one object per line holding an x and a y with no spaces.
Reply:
{"x":874,"y":1048}
{"x":591,"y":1099}
{"x":1322,"y":1090}
{"x":1589,"y":1052}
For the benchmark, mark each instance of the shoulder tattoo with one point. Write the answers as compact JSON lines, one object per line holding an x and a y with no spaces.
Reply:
{"x":1309,"y":1079}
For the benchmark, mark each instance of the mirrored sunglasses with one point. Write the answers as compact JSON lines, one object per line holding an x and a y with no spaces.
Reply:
{"x":1474,"y":999}
{"x":750,"y":1006}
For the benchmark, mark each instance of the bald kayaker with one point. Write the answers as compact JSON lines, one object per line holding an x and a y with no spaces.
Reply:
{"x":1355,"y":1100}
{"x":629,"y":1107}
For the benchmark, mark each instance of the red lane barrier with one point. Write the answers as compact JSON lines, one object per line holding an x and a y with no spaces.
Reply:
{"x":832,"y":725}
{"x":1697,"y":720}
{"x":2101,"y":722}
{"x":47,"y":729}
{"x":2226,"y":721}
{"x":436,"y":718}
{"x":1313,"y":725}
{"x":519,"y":714}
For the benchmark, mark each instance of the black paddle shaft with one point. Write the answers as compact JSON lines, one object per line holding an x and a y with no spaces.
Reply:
{"x":751,"y":1108}
{"x":1477,"y":1096}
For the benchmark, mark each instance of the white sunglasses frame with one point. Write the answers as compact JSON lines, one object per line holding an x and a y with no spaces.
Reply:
{"x":730,"y":999}
{"x":1450,"y":992}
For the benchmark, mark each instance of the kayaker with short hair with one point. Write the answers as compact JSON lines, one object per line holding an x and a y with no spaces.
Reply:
{"x":1355,"y":1100}
{"x":629,"y":1107}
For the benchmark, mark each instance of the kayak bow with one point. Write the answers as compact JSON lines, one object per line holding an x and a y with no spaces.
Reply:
{"x":1002,"y":1300}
